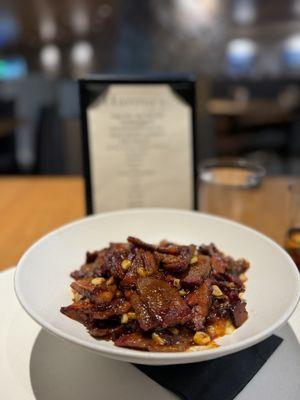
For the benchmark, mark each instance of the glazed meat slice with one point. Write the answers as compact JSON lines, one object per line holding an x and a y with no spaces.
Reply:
{"x":143,"y":263}
{"x":116,"y":307}
{"x":98,"y":294}
{"x":116,"y":254}
{"x":218,"y":259}
{"x":200,"y":301}
{"x":146,"y":320}
{"x":208,"y":250}
{"x":106,"y":332}
{"x":236,"y":267}
{"x":239,"y":313}
{"x":150,"y":263}
{"x":83,"y":311}
{"x":218,"y":263}
{"x":79,"y":311}
{"x":134,"y":341}
{"x":176,"y":263}
{"x":172,"y":263}
{"x":85,"y":271}
{"x":170,"y":343}
{"x":93,"y":267}
{"x":162,"y":302}
{"x":131,"y":276}
{"x":198,"y":272}
{"x":168,"y":247}
{"x":139,"y":243}
{"x":163,"y":247}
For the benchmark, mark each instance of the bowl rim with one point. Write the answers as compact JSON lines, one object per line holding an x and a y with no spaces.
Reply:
{"x":138,"y":355}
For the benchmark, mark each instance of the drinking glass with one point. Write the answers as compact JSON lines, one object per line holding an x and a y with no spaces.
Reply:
{"x":229,"y":187}
{"x":292,"y":239}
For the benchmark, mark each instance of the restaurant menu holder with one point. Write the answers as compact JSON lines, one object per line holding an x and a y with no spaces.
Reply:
{"x":138,"y":141}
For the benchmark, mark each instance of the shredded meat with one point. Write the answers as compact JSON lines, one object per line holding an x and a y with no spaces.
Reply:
{"x":158,"y":297}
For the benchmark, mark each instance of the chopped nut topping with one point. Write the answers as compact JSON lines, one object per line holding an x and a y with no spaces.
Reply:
{"x":97,"y":281}
{"x":216,"y":291}
{"x":142,"y":272}
{"x":110,"y":281}
{"x":176,"y":283}
{"x":157,"y":339}
{"x":76,"y":296}
{"x":131,"y":315}
{"x":194,"y":260}
{"x":124,"y":319}
{"x":201,"y":338}
{"x":125,"y":264}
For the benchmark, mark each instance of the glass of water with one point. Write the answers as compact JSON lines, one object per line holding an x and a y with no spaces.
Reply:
{"x":229,"y":187}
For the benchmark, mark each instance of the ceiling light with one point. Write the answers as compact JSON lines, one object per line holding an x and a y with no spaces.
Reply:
{"x":50,"y":58}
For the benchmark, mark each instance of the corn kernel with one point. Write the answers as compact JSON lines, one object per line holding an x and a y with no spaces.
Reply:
{"x":182,"y":292}
{"x":216,"y":291}
{"x":142,"y":272}
{"x":194,"y":260}
{"x":97,"y":281}
{"x":125,"y":264}
{"x":201,"y":338}
{"x":124,"y":319}
{"x":157,"y":339}
{"x":176,"y":283}
{"x":243,"y":278}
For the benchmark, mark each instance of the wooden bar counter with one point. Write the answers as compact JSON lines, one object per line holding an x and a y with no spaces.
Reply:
{"x":30,"y":207}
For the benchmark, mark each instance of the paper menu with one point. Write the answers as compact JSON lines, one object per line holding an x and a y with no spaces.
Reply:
{"x":140,"y":148}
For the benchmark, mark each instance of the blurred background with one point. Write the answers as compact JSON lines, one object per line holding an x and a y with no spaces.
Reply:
{"x":246,"y":54}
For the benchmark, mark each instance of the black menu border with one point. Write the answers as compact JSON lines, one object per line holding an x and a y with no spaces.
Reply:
{"x":183,"y":84}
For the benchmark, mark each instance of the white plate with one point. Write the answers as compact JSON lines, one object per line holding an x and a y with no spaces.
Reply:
{"x":42,"y":276}
{"x":29,"y":367}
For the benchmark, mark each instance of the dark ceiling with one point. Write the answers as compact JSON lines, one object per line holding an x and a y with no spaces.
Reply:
{"x":106,"y":25}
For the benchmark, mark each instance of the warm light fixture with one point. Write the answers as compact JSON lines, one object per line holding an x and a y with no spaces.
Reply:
{"x":47,"y":28}
{"x":291,"y":51}
{"x":240,"y":56}
{"x":241,"y":49}
{"x":79,"y":20}
{"x":104,"y":10}
{"x":296,"y":7}
{"x":244,"y":12}
{"x":82,"y":54}
{"x":50,"y":58}
{"x":196,"y":12}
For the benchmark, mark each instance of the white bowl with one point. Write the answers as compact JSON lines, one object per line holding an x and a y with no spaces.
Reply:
{"x":42,"y":277}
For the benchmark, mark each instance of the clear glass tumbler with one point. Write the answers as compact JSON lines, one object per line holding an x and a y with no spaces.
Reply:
{"x":229,"y":187}
{"x":292,"y":239}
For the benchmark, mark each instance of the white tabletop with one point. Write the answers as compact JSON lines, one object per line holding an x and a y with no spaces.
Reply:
{"x":37,"y":365}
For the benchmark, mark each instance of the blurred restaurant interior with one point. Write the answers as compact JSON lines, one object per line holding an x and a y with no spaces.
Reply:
{"x":246,"y":54}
